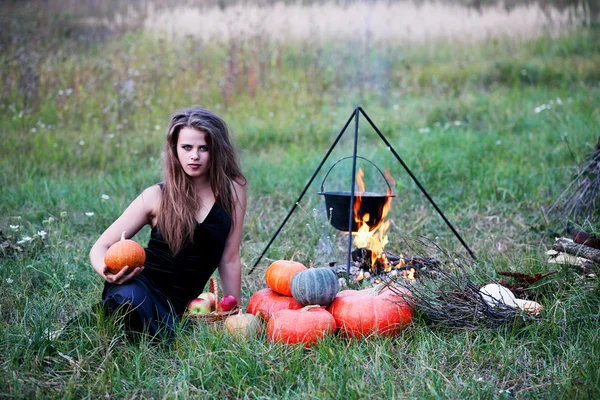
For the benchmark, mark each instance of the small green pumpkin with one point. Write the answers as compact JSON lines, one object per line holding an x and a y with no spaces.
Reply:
{"x":314,"y":286}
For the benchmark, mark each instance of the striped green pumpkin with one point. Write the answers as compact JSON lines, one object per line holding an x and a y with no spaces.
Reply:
{"x":314,"y":286}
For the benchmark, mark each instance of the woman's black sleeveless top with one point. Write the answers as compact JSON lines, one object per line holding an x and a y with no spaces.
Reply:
{"x":183,"y":277}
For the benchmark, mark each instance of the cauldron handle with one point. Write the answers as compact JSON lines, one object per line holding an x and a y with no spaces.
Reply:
{"x":362,"y":158}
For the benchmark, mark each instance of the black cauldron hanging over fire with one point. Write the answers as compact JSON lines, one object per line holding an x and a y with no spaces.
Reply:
{"x":369,"y":207}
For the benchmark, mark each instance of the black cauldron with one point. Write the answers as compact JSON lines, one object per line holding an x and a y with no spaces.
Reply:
{"x":338,"y":204}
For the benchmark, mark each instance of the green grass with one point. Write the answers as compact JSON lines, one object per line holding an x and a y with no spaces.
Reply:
{"x":462,"y":117}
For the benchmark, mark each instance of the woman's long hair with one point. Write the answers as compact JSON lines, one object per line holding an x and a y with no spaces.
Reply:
{"x":179,"y":204}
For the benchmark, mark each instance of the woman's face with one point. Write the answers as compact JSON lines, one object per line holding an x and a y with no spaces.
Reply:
{"x":193,"y":152}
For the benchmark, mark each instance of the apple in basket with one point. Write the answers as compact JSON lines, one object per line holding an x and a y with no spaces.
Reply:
{"x":227,"y":303}
{"x":210,"y":297}
{"x":199,"y":306}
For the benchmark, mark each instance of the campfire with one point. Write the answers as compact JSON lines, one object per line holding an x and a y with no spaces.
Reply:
{"x":371,"y":260}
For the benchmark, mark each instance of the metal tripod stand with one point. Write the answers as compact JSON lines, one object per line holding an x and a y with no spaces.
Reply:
{"x":355,"y":115}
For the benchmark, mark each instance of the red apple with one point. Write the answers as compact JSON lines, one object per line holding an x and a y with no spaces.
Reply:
{"x":227,"y":303}
{"x":210,"y":297}
{"x":199,"y":306}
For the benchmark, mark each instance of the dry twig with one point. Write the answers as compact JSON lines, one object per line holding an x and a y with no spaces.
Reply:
{"x":450,"y":299}
{"x":579,"y":200}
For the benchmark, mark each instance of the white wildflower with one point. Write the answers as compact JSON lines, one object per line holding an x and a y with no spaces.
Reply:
{"x":81,"y":142}
{"x":42,"y":234}
{"x":14,"y":227}
{"x":24,"y":239}
{"x":89,"y":214}
{"x":424,"y":130}
{"x":105,"y":197}
{"x":9,"y":281}
{"x":541,"y":108}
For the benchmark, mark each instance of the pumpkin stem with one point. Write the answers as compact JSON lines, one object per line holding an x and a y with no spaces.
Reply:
{"x":380,"y":286}
{"x":306,"y":308}
{"x":294,"y":255}
{"x":123,"y":235}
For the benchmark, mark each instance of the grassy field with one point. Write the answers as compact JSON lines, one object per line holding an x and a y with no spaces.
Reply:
{"x":494,"y":130}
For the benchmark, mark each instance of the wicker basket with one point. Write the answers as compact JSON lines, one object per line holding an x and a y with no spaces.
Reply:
{"x":215,"y":316}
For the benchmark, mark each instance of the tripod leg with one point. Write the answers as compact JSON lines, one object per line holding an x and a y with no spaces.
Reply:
{"x":335,"y":142}
{"x":414,"y":178}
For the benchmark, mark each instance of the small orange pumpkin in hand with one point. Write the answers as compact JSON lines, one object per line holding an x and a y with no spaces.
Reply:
{"x":125,"y":252}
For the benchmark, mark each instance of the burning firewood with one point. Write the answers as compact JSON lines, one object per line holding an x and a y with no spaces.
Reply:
{"x":387,"y":262}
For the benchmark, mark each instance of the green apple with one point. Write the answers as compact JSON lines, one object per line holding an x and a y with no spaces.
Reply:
{"x":199,"y":306}
{"x":210,"y":297}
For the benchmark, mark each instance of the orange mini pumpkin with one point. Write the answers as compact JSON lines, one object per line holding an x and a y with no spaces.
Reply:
{"x":125,"y":252}
{"x":279,"y":275}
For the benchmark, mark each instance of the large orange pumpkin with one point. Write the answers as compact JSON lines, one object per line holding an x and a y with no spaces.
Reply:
{"x":307,"y":325}
{"x":376,"y":310}
{"x":279,"y":275}
{"x":125,"y":252}
{"x":263,"y":303}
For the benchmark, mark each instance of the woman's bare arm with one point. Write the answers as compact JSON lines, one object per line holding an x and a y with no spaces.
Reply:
{"x":230,"y":267}
{"x":139,"y":213}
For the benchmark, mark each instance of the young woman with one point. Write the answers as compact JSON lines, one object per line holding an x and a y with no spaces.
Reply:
{"x":196,"y":216}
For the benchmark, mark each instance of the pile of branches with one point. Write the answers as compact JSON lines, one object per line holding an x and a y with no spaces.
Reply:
{"x":580,"y":199}
{"x":450,"y":299}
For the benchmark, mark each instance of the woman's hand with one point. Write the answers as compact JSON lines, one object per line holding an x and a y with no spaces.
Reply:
{"x":123,"y":275}
{"x":139,"y":213}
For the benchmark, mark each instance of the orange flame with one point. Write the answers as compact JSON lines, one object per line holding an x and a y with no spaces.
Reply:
{"x":409,"y":275}
{"x":372,"y":234}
